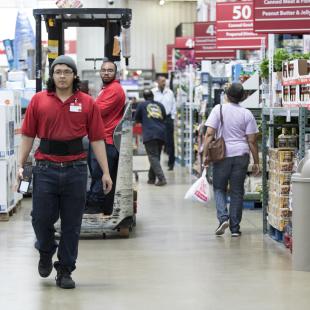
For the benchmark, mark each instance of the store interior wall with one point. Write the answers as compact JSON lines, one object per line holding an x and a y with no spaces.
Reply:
{"x":153,"y":27}
{"x":92,"y":46}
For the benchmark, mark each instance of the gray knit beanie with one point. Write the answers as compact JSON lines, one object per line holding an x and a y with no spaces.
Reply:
{"x":66,"y":60}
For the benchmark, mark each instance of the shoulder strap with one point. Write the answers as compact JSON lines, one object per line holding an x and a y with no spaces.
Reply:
{"x":221,"y":115}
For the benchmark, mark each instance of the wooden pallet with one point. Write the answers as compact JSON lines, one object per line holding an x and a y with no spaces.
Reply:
{"x":4,"y":217}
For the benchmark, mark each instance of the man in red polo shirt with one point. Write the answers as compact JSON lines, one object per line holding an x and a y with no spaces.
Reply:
{"x":61,"y":117}
{"x":111,"y":102}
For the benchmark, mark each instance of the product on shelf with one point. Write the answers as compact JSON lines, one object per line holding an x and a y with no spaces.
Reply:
{"x":293,"y":93}
{"x":278,"y":222}
{"x":281,"y":165}
{"x":282,"y":138}
{"x":295,"y":68}
{"x":285,"y":69}
{"x":293,"y":139}
{"x":286,"y":140}
{"x":296,"y":83}
{"x":285,"y":95}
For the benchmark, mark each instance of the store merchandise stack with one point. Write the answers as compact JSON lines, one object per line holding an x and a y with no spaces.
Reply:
{"x":18,"y":81}
{"x":281,"y":167}
{"x":296,"y":83}
{"x":10,"y":123}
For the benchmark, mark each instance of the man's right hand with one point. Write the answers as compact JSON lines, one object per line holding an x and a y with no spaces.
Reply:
{"x":107,"y":183}
{"x":19,"y":177}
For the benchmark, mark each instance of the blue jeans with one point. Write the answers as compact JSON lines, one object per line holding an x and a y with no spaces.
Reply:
{"x":232,"y":170}
{"x":96,"y":196}
{"x":59,"y":192}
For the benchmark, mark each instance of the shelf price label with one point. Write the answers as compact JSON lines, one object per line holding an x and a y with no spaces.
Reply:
{"x":234,"y":23}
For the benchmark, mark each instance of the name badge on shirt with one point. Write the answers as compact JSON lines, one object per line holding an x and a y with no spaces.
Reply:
{"x":75,"y":106}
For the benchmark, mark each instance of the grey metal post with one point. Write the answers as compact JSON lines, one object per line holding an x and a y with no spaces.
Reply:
{"x":38,"y":54}
{"x":302,"y":132}
{"x":264,"y":172}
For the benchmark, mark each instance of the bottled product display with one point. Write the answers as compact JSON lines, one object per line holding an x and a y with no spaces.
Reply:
{"x":281,"y":164}
{"x":296,"y":82}
{"x":288,"y":140}
{"x":283,"y":139}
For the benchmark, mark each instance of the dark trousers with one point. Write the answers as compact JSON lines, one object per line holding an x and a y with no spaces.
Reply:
{"x":170,"y":141}
{"x":95,"y":196}
{"x":153,"y":149}
{"x":59,"y":192}
{"x":232,"y":170}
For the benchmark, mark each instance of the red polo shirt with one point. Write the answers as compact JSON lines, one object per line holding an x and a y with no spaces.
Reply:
{"x":111,"y":101}
{"x":49,"y":118}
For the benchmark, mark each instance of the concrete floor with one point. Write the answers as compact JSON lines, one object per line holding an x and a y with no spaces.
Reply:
{"x":172,"y":261}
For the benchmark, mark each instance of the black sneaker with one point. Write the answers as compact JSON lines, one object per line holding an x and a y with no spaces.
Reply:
{"x":92,"y":210}
{"x":63,"y":278}
{"x":221,"y":229}
{"x":151,"y":182}
{"x":161,"y":183}
{"x":45,"y":265}
{"x":236,"y":234}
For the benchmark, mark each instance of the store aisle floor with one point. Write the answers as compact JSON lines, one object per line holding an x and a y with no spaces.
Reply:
{"x":172,"y":261}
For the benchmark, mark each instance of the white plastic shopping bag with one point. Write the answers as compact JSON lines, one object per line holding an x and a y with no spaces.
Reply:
{"x":201,"y":190}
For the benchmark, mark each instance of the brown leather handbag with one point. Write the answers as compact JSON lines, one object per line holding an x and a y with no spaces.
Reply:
{"x":216,"y":149}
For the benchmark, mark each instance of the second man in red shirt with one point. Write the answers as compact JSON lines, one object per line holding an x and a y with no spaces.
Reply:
{"x":111,"y":102}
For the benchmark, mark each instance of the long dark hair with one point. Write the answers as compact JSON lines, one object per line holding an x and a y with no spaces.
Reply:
{"x":52,"y":88}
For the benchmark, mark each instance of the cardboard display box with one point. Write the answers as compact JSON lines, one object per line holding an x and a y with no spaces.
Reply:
{"x":7,"y":121}
{"x":8,"y":176}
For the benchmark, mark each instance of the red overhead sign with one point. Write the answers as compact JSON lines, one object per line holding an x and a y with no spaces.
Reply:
{"x":234,"y":23}
{"x":205,"y":43}
{"x":282,"y":16}
{"x":184,"y":42}
{"x":170,"y":48}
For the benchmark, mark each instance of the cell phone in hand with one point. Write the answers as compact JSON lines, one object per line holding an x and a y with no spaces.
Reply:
{"x":24,"y":184}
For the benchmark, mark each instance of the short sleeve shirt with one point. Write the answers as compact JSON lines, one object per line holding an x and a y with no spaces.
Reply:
{"x":238,"y":123}
{"x":47,"y":117}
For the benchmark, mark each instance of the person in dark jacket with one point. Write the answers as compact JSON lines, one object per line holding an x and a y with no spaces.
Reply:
{"x":152,"y":115}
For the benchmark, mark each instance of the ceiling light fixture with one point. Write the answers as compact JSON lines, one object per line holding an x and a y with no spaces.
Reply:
{"x":161,"y":2}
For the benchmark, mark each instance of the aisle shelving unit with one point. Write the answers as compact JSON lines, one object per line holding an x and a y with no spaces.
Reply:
{"x":183,"y":135}
{"x":268,"y":126}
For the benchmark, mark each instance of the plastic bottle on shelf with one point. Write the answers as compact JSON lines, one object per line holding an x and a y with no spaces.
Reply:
{"x":293,"y":139}
{"x":283,"y":139}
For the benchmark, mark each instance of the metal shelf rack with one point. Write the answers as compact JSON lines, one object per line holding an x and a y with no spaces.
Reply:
{"x":268,"y":125}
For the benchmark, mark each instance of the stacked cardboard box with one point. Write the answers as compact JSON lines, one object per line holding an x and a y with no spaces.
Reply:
{"x":281,"y":164}
{"x":10,"y":122}
{"x":7,"y":174}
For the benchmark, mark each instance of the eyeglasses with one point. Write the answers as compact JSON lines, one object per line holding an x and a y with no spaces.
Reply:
{"x":64,"y":73}
{"x":107,"y":71}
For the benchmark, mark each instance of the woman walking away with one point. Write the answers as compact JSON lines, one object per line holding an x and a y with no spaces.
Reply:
{"x":239,"y":131}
